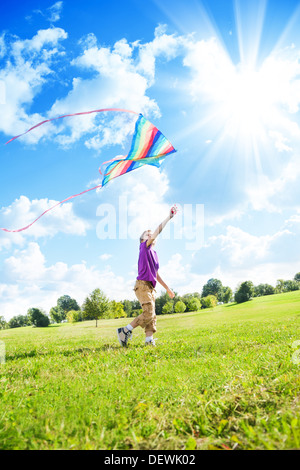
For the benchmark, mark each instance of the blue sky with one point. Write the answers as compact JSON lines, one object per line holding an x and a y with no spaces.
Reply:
{"x":219,"y":78}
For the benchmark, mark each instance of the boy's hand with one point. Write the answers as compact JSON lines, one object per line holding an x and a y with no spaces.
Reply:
{"x":173,"y":211}
{"x":171,"y":293}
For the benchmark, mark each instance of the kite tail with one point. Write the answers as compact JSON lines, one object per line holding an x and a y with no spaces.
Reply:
{"x":50,"y":209}
{"x":70,"y":115}
{"x":74,"y":195}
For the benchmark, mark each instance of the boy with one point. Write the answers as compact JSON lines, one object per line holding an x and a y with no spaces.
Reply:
{"x":144,"y":288}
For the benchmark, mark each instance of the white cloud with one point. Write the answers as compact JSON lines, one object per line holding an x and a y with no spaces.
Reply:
{"x":293,"y":220}
{"x":117,"y":84}
{"x":55,"y":11}
{"x":42,"y":39}
{"x":27,"y":69}
{"x":263,"y":195}
{"x":23,"y":212}
{"x":2,"y":45}
{"x":27,"y":264}
{"x":164,"y":45}
{"x":2,"y":93}
{"x":242,"y":247}
{"x":124,"y":73}
{"x":105,"y":256}
{"x":216,"y":219}
{"x":211,"y":68}
{"x":281,"y":142}
{"x":181,"y":277}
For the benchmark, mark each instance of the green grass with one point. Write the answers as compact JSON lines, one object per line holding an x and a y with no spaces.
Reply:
{"x":222,"y":378}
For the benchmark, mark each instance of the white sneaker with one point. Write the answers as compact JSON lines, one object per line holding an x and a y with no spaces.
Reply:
{"x":123,"y":336}
{"x":151,"y":342}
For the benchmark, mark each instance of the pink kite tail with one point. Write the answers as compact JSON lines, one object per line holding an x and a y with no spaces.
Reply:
{"x":87,"y":190}
{"x":69,"y":115}
{"x":112,"y":160}
{"x":50,"y":209}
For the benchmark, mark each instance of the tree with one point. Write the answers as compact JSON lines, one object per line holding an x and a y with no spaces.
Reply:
{"x":3,"y":323}
{"x":287,"y":286}
{"x":56,"y":314}
{"x":264,"y":289}
{"x":193,"y":305}
{"x":244,"y":292}
{"x":18,"y":321}
{"x":127,"y":306}
{"x":65,"y":303}
{"x":95,"y":306}
{"x":160,"y":301}
{"x":279,"y":286}
{"x":13,"y":323}
{"x":210,"y":301}
{"x":213,"y":287}
{"x":186,"y":298}
{"x":116,"y":310}
{"x":180,"y":307}
{"x":297,"y":277}
{"x":269,"y":290}
{"x":291,"y":286}
{"x":38,"y":317}
{"x":227,"y":294}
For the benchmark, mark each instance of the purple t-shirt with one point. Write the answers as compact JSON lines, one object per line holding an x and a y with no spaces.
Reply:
{"x":148,"y":264}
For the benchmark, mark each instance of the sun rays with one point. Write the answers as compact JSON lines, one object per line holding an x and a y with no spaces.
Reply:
{"x":244,"y":106}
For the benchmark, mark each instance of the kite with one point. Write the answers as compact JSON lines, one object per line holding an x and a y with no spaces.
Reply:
{"x":148,"y":147}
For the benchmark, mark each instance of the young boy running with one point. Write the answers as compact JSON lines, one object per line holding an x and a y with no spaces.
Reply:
{"x":144,"y":288}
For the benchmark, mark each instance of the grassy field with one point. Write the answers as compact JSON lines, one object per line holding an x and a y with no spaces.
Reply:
{"x":218,"y":379}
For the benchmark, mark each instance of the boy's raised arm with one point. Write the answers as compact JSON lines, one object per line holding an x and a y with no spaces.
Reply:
{"x":161,"y":226}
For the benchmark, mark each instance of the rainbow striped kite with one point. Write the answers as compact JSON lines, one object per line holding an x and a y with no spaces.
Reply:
{"x":149,"y":147}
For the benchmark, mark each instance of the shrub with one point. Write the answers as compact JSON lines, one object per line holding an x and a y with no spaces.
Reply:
{"x":74,"y":316}
{"x":193,"y":305}
{"x":168,"y":307}
{"x":180,"y":307}
{"x":210,"y":301}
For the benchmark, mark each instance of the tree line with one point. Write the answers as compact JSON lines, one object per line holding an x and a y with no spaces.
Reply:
{"x":97,"y":305}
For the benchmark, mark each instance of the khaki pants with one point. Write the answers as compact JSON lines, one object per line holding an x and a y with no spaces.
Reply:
{"x":144,"y":291}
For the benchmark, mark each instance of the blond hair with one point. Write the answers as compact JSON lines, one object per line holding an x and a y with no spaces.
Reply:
{"x":142,"y":236}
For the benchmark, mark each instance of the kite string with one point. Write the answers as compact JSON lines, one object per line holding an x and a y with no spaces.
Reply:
{"x":50,"y":208}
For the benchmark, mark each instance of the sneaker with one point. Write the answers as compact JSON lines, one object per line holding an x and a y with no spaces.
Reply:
{"x":150,"y":343}
{"x":123,"y":336}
